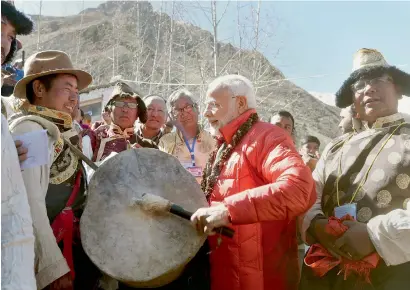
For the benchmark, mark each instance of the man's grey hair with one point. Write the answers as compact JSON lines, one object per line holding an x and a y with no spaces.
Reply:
{"x":155,"y":97}
{"x":175,"y":96}
{"x":238,"y":85}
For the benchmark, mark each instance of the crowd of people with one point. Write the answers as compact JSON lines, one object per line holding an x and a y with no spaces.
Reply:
{"x":349,"y":206}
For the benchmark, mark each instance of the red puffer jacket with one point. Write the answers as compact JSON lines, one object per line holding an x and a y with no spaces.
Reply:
{"x":265,"y":186}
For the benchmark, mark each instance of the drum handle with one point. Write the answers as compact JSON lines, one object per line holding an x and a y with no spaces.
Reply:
{"x":154,"y":203}
{"x":80,"y":155}
{"x":179,"y":211}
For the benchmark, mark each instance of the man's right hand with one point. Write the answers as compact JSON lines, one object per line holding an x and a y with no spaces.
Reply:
{"x":63,"y":283}
{"x":325,"y":239}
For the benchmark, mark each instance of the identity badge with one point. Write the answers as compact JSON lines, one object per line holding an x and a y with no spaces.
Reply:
{"x":350,"y":209}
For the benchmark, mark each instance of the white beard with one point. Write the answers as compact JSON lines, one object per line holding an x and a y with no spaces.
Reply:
{"x":221,"y":123}
{"x":215,"y":130}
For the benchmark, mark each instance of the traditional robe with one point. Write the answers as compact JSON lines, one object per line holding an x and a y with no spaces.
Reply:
{"x":377,"y":158}
{"x":110,"y":138}
{"x":49,"y":188}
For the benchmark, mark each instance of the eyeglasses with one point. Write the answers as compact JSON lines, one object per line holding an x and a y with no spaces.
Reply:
{"x":359,"y":86}
{"x":187,"y":109}
{"x":121,"y":104}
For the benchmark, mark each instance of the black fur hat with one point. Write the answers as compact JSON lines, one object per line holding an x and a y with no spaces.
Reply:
{"x":21,"y":23}
{"x":370,"y":63}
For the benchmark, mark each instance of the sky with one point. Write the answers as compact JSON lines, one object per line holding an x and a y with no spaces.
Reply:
{"x":311,"y":42}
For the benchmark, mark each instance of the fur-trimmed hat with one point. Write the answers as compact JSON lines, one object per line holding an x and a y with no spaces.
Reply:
{"x":370,"y":63}
{"x":20,"y":22}
{"x":123,"y":90}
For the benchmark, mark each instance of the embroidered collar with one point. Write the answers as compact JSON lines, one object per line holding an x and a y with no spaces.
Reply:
{"x":116,"y":131}
{"x":62,"y":120}
{"x":387,"y":121}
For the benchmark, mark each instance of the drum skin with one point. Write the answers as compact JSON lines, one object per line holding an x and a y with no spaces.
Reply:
{"x":139,"y":248}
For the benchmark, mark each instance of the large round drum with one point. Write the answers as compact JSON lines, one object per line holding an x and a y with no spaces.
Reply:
{"x":139,"y":248}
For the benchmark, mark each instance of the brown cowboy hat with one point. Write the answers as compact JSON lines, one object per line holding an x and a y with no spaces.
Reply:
{"x":370,"y":63}
{"x":49,"y":62}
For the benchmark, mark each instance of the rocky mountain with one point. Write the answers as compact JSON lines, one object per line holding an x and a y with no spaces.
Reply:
{"x":130,"y":39}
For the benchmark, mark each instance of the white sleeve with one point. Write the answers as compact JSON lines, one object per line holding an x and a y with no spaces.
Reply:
{"x":50,"y":263}
{"x":390,"y":234}
{"x":17,"y":238}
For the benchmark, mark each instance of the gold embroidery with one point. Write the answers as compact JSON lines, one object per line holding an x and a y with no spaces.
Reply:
{"x":60,"y":177}
{"x":364,"y":214}
{"x":383,"y":198}
{"x":58,"y":148}
{"x":53,"y":114}
{"x":403,"y":181}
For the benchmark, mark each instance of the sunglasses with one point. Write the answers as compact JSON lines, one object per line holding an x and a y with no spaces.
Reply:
{"x":121,"y":104}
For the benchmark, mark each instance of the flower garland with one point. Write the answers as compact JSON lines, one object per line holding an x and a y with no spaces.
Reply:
{"x":211,"y":173}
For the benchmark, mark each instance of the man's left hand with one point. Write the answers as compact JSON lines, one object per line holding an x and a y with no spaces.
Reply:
{"x":207,"y":219}
{"x":21,"y":151}
{"x":355,"y":242}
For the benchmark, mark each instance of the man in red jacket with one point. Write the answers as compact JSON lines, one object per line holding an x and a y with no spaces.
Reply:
{"x":255,"y":182}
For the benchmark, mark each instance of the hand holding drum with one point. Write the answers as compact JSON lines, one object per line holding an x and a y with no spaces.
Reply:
{"x":158,"y":204}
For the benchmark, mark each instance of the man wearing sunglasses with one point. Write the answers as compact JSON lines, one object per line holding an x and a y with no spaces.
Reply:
{"x":125,"y":107}
{"x":366,"y":175}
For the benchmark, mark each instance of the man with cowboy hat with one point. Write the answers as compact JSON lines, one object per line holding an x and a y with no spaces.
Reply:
{"x":359,"y":227}
{"x":56,"y":190}
{"x":125,"y":107}
{"x":17,"y":259}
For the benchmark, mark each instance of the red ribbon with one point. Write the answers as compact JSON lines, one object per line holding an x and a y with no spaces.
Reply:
{"x":63,"y":225}
{"x":321,"y":261}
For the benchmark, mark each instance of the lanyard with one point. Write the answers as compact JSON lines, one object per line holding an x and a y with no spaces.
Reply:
{"x":191,"y":149}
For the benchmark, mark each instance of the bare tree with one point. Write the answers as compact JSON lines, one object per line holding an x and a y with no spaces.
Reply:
{"x":79,"y":35}
{"x":39,"y":26}
{"x":154,"y":66}
{"x":256,"y":32}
